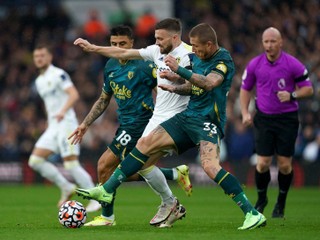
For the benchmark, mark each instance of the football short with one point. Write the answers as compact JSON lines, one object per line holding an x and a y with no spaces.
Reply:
{"x":187,"y":132}
{"x":126,"y":139}
{"x":155,"y":121}
{"x":275,"y":133}
{"x":55,"y":138}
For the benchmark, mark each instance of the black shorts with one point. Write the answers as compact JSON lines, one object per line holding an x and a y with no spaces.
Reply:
{"x":275,"y":133}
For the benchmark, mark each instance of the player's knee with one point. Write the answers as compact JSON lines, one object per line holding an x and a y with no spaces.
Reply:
{"x":35,"y":161}
{"x":71,"y":164}
{"x":285,"y":167}
{"x":263,"y":164}
{"x":145,"y":171}
{"x":144,"y":144}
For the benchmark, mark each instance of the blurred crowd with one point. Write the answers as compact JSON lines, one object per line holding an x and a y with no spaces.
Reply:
{"x":238,"y":24}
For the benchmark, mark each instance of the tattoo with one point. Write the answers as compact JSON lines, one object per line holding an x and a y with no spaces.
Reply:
{"x":158,"y":130}
{"x":209,"y":158}
{"x":208,"y":82}
{"x":97,"y":109}
{"x":184,"y":89}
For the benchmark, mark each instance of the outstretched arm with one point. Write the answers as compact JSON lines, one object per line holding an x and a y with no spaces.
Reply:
{"x":113,"y":52}
{"x":97,"y":109}
{"x":183,"y":89}
{"x":207,"y":83}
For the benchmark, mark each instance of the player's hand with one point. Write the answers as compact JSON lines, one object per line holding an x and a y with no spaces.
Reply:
{"x":77,"y":135}
{"x":283,"y":96}
{"x":171,"y":62}
{"x":171,"y":76}
{"x":59,"y":116}
{"x":166,"y":87}
{"x":84,"y":44}
{"x":247,"y":119}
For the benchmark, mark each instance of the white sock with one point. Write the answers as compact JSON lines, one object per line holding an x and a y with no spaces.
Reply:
{"x":48,"y":171}
{"x":175,"y":173}
{"x":108,"y":218}
{"x":81,"y":176}
{"x":157,"y":181}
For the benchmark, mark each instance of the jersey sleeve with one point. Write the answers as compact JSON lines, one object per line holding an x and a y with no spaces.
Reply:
{"x":186,"y":61}
{"x":150,"y":74}
{"x":300,"y":74}
{"x":248,"y":77}
{"x":148,"y":53}
{"x":65,"y":80}
{"x":106,"y":83}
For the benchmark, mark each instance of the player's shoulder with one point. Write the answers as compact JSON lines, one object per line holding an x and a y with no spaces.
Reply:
{"x":290,"y":58}
{"x":256,"y":60}
{"x":55,"y":69}
{"x":151,"y":48}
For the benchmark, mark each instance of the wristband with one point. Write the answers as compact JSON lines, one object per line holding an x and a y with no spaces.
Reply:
{"x":293,"y":96}
{"x":184,"y":73}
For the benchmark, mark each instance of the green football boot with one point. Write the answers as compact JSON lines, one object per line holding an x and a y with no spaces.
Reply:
{"x":253,"y":221}
{"x":96,"y":193}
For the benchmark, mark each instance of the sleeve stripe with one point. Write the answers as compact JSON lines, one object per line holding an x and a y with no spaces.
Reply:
{"x":301,"y":78}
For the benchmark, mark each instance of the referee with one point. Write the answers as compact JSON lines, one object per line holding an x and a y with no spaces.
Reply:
{"x":280,"y":80}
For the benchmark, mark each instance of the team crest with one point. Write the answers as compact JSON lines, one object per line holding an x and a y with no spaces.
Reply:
{"x":282,"y":83}
{"x":118,"y":146}
{"x":130,"y":74}
{"x":178,"y":59}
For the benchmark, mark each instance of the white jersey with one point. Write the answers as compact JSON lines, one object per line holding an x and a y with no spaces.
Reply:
{"x":51,"y":87}
{"x":167,"y":104}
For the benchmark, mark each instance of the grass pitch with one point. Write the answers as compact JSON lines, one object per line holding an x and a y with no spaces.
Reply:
{"x":29,"y":212}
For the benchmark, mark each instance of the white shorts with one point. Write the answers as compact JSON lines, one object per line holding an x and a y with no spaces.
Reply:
{"x":153,"y":123}
{"x":55,"y":139}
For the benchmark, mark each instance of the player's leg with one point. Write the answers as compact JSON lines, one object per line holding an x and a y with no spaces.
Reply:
{"x":45,"y":146}
{"x":264,"y":146}
{"x":262,"y":179}
{"x":181,"y":175}
{"x":287,"y":131}
{"x":157,"y":181}
{"x":210,"y":160}
{"x":70,"y":156}
{"x":107,"y":163}
{"x":134,"y":161}
{"x":285,"y":176}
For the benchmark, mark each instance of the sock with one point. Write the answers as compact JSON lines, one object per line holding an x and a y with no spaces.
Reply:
{"x":262,"y":182}
{"x":284,"y":185}
{"x":169,"y":173}
{"x":130,"y":165}
{"x":156,"y":180}
{"x":48,"y":171}
{"x":231,"y":186}
{"x":108,"y":210}
{"x":81,"y":176}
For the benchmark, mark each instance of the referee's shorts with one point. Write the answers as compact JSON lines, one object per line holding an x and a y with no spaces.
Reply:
{"x":275,"y":133}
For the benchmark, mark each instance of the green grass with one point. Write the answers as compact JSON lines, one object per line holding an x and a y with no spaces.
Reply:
{"x":29,"y":212}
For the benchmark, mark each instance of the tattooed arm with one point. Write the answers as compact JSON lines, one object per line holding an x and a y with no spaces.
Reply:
{"x":208,"y":82}
{"x":183,"y":89}
{"x":97,"y":109}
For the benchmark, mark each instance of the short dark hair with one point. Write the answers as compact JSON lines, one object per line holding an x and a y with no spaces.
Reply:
{"x":122,"y":30}
{"x":204,"y":32}
{"x":170,"y":24}
{"x":45,"y":46}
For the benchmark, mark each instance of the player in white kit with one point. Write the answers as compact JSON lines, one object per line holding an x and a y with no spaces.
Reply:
{"x":168,"y":41}
{"x":59,"y":95}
